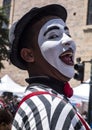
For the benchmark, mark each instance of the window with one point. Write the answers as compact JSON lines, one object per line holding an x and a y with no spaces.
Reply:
{"x":89,"y":18}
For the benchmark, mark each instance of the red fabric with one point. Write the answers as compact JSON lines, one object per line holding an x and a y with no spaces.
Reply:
{"x":32,"y":94}
{"x":68,"y":91}
{"x":83,"y":122}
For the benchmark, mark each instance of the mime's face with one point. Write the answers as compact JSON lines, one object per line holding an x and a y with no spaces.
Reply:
{"x":56,"y":45}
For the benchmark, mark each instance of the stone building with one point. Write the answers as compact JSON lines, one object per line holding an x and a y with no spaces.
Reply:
{"x":79,"y":22}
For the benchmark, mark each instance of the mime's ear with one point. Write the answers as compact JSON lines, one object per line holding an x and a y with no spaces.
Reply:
{"x":27,"y":54}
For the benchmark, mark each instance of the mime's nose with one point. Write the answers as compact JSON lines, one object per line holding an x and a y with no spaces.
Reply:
{"x":67,"y":44}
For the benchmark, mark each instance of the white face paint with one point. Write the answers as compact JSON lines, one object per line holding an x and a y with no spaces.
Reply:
{"x":53,"y":40}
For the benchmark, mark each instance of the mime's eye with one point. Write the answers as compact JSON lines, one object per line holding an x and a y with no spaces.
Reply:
{"x":67,"y":31}
{"x":53,"y":36}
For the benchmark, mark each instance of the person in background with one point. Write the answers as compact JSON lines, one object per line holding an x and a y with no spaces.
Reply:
{"x":2,"y":103}
{"x":6,"y":117}
{"x":42,"y":45}
{"x":85,"y":115}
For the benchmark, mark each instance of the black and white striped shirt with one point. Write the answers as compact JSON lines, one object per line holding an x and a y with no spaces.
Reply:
{"x":46,"y":112}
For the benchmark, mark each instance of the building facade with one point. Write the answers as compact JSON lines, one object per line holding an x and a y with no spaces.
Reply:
{"x":79,"y":22}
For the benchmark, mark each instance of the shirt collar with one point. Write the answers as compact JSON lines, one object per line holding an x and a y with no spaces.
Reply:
{"x":48,"y":81}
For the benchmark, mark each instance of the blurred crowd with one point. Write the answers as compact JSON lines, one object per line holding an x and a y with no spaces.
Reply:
{"x":8,"y":107}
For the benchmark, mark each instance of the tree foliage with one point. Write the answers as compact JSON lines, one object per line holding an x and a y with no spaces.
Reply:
{"x":4,"y":43}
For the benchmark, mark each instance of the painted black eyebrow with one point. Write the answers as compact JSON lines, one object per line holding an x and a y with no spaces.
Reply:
{"x":51,"y":28}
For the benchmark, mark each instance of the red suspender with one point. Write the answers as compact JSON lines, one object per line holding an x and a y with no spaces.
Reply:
{"x":83,"y":122}
{"x":31,"y":95}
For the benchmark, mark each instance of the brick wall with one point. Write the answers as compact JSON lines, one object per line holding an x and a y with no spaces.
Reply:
{"x":77,"y":15}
